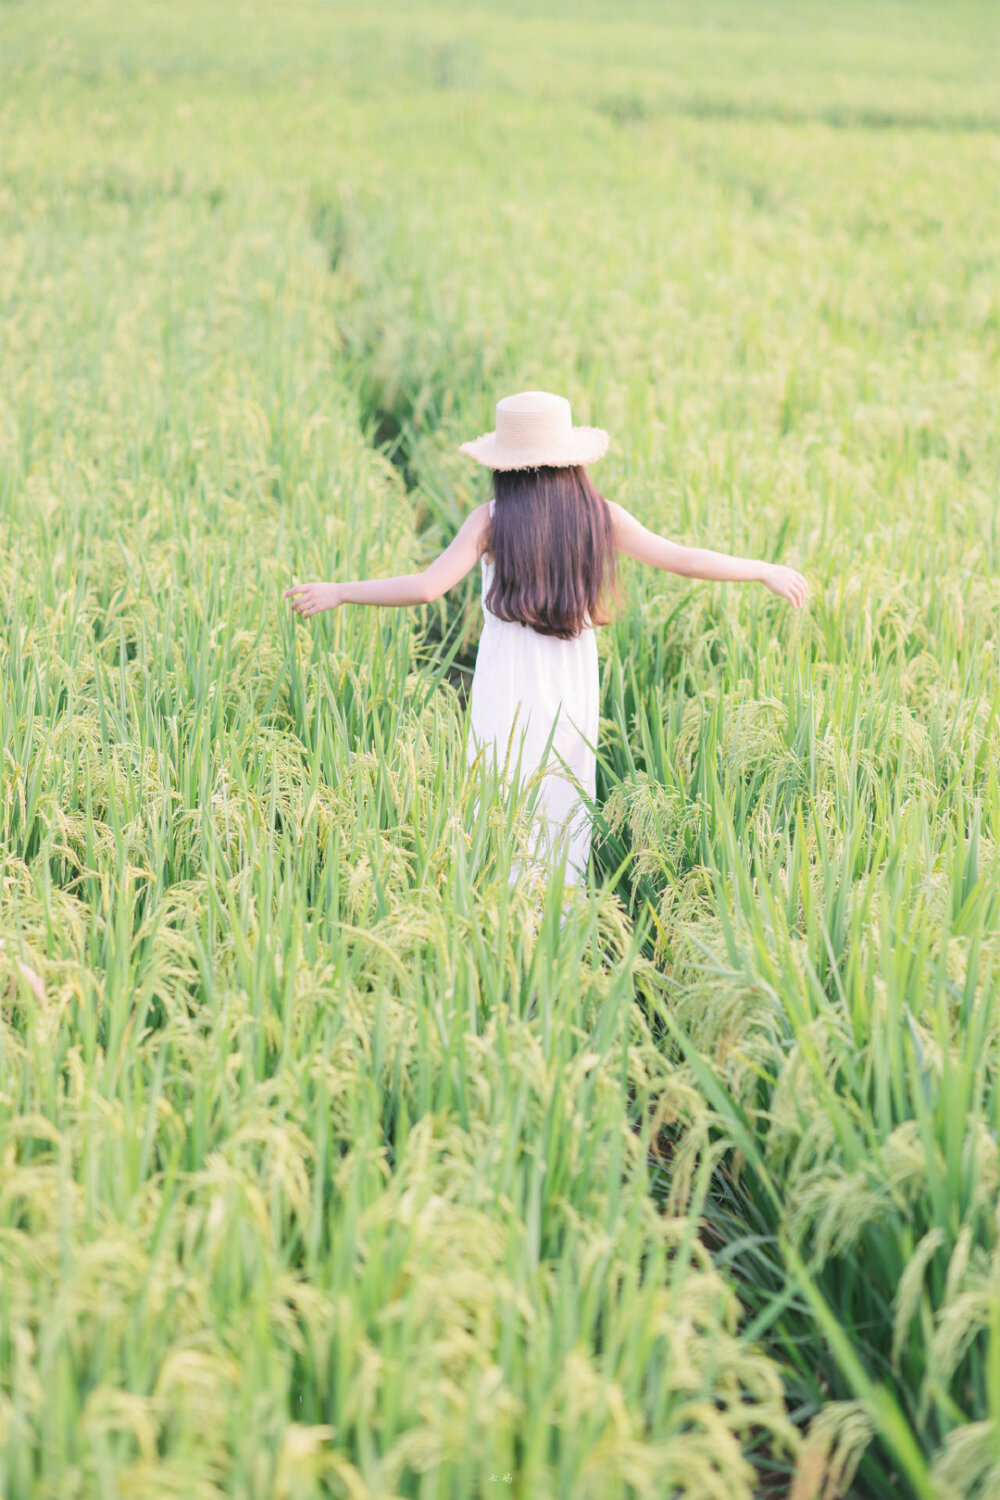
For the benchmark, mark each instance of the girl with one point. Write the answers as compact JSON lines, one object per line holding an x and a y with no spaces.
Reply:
{"x":547,"y":541}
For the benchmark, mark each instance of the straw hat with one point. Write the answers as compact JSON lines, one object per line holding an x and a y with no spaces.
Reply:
{"x":533,"y":428}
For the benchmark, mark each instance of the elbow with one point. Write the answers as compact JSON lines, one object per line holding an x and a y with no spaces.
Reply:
{"x":426,"y":591}
{"x":682,"y":561}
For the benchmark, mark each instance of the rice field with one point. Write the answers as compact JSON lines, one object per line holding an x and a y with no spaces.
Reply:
{"x":331,"y":1165}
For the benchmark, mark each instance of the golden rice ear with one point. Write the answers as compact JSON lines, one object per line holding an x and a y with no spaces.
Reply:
{"x":834,"y":1447}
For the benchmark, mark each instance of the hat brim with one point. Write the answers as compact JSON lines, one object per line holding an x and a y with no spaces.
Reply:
{"x":585,"y":446}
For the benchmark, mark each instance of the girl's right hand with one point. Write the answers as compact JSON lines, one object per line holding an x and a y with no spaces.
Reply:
{"x":310,"y":598}
{"x":786,"y":582}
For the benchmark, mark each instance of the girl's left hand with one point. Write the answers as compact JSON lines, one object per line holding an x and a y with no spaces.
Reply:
{"x":310,"y":598}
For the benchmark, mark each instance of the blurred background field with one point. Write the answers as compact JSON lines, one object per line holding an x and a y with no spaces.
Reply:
{"x":327,"y":1169}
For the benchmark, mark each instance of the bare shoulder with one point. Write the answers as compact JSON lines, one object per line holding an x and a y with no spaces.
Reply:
{"x":621,"y":519}
{"x":476,"y":525}
{"x":476,"y":519}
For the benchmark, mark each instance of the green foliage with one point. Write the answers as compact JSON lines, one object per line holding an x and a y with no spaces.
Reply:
{"x":332,"y":1163}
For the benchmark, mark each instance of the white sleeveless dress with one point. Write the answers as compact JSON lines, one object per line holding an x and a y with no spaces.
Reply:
{"x":523,"y":684}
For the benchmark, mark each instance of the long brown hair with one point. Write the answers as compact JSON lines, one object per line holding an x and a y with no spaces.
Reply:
{"x":551,"y":539}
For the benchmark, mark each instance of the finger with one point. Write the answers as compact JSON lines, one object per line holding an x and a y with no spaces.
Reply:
{"x":296,"y":588}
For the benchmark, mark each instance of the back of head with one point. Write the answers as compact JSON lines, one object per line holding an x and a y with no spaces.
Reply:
{"x":552,"y":543}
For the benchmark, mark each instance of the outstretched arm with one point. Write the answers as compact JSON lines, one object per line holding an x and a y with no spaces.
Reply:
{"x":632,"y":538}
{"x":410,"y":588}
